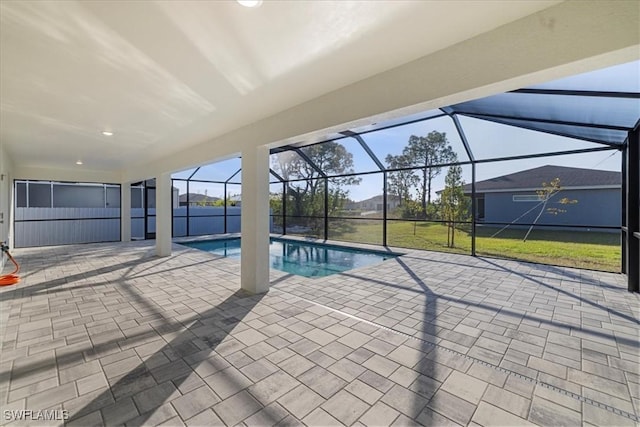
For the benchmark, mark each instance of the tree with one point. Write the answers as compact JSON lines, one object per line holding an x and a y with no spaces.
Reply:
{"x":400,"y":182}
{"x":275,"y":203}
{"x":206,"y":200}
{"x":454,"y":205}
{"x":428,"y":152}
{"x":545,"y":194}
{"x":306,"y":196}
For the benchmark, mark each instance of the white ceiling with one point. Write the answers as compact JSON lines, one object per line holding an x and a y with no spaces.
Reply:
{"x":164,"y":76}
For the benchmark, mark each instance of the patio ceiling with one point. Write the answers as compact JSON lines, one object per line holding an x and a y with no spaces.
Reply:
{"x":166,"y":75}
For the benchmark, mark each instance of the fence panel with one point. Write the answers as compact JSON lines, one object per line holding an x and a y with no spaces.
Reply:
{"x":62,"y":226}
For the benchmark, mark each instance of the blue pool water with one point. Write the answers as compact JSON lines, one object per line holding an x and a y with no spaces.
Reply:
{"x":301,"y":258}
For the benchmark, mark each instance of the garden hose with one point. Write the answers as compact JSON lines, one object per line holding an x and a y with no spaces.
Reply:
{"x":13,"y":278}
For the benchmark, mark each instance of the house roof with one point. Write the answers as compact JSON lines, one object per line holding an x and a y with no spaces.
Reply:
{"x":533,"y":178}
{"x":195,"y":198}
{"x":378,"y":198}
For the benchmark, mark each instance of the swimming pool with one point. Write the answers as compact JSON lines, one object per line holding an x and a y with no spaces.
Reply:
{"x":301,"y":258}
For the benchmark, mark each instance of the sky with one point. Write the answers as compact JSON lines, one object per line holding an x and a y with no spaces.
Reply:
{"x":486,"y":139}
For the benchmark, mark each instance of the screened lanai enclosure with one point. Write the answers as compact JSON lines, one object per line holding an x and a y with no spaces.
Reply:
{"x":209,"y":199}
{"x":546,"y":174}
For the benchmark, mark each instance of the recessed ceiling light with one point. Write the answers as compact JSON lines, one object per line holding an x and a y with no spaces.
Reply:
{"x":79,"y":162}
{"x":250,"y":3}
{"x":107,"y":133}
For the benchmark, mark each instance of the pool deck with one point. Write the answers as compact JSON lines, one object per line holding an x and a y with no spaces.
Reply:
{"x":114,"y":335}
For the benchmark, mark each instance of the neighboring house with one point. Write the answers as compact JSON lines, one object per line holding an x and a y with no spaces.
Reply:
{"x":514,"y":199}
{"x":196,"y":199}
{"x":374,"y":203}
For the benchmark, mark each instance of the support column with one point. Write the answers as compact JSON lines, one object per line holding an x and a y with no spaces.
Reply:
{"x":254,"y":272}
{"x":385,"y":200}
{"x":163,"y":214}
{"x":326,"y":208}
{"x":224,"y":198}
{"x":125,"y":212}
{"x":623,"y":212}
{"x":632,"y":238}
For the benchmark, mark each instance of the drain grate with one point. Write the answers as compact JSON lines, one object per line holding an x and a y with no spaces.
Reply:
{"x":482,"y":362}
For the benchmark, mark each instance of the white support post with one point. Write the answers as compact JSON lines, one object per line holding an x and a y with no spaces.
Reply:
{"x":125,"y":212}
{"x":163,"y":214}
{"x":254,"y":271}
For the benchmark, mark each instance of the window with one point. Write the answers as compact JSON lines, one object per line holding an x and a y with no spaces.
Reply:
{"x":527,"y":198}
{"x":47,"y":194}
{"x":137,"y":197}
{"x":21,"y":194}
{"x":39,"y":195}
{"x":480,"y":207}
{"x":77,"y":196}
{"x":112,"y":195}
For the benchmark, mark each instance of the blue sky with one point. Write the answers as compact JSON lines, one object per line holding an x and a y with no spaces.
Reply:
{"x":487,"y":140}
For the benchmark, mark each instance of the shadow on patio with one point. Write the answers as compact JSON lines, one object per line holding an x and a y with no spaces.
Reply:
{"x":172,"y":366}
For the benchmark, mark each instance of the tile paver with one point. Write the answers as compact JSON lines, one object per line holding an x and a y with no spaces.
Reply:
{"x":272,"y":387}
{"x":452,"y":407}
{"x":91,"y":383}
{"x":379,"y":414}
{"x":269,"y":415}
{"x":320,"y":418}
{"x":429,"y":417}
{"x":465,"y":386}
{"x":205,"y":418}
{"x":301,"y":401}
{"x":296,"y":365}
{"x":228,"y":382}
{"x":507,"y":401}
{"x":119,"y":412}
{"x":40,"y":386}
{"x":381,"y":365}
{"x":363,"y":391}
{"x":545,"y":412}
{"x":404,"y":400}
{"x":322,"y":381}
{"x":155,"y":397}
{"x":487,"y":414}
{"x":255,"y":371}
{"x":93,"y":419}
{"x":52,"y":396}
{"x":236,"y":408}
{"x":88,"y":403}
{"x":194,"y":402}
{"x":345,"y":407}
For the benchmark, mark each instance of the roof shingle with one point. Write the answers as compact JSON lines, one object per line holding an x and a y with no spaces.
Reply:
{"x":533,"y":178}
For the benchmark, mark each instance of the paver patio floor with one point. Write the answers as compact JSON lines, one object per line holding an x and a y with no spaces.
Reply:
{"x":114,"y":335}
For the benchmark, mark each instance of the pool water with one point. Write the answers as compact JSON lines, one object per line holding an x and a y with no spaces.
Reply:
{"x":301,"y":258}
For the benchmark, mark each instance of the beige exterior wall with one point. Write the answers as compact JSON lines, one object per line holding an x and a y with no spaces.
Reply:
{"x":6,"y":198}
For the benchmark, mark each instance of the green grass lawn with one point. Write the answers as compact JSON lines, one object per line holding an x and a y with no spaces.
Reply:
{"x":583,"y":249}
